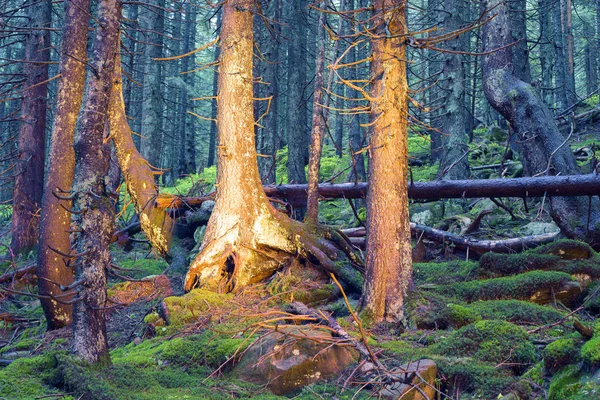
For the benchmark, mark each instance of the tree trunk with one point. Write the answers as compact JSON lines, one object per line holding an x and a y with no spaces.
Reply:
{"x":547,"y":55}
{"x":188,"y":126}
{"x":297,"y":135}
{"x":54,"y":269}
{"x":246,"y":239}
{"x":518,"y":20}
{"x":541,"y":146}
{"x":137,"y":173}
{"x":591,"y":58}
{"x":95,"y":217}
{"x":318,"y":129}
{"x":388,"y":269}
{"x":152,"y":20}
{"x":268,"y":135}
{"x":453,"y":122}
{"x":29,"y":183}
{"x":212,"y":138}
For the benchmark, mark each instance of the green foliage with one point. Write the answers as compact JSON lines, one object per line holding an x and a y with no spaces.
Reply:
{"x":191,"y":183}
{"x":521,"y":286}
{"x":490,"y":341}
{"x":560,"y":353}
{"x":5,"y":212}
{"x":141,"y":268}
{"x":565,"y":384}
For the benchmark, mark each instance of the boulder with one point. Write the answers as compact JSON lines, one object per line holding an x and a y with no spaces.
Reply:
{"x":292,"y":358}
{"x":423,"y":373}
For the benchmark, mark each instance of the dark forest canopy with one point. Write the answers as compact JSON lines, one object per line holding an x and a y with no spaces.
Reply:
{"x":332,"y":198}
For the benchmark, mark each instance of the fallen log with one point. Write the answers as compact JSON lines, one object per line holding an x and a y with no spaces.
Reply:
{"x":513,"y":245}
{"x":18,"y":273}
{"x":295,"y":194}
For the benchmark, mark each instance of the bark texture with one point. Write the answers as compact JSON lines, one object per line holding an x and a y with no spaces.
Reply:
{"x":53,"y":268}
{"x":95,"y":215}
{"x":388,"y":264}
{"x":137,"y":173}
{"x":29,"y":183}
{"x":246,"y":239}
{"x":541,"y":146}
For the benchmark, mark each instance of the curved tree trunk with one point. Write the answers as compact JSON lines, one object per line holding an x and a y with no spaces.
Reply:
{"x":540,"y":143}
{"x":29,"y":183}
{"x":52,"y":268}
{"x":95,"y":217}
{"x":246,"y":239}
{"x":388,"y":269}
{"x":138,"y":174}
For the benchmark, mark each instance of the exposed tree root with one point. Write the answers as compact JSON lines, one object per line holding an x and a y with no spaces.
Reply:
{"x":248,"y":253}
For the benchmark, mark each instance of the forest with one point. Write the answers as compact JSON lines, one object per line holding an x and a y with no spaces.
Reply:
{"x":309,"y":199}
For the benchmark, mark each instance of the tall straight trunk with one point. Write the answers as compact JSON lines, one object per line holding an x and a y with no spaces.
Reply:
{"x":53,"y":269}
{"x":297,"y":134}
{"x":591,"y":58}
{"x":518,"y":19}
{"x":29,"y":183}
{"x":388,"y":269}
{"x":540,"y":144}
{"x":187,"y":134}
{"x":267,"y":145}
{"x":453,"y":121}
{"x":212,"y":138}
{"x":570,"y":51}
{"x":547,"y":50}
{"x":96,"y":213}
{"x":559,"y":49}
{"x":318,"y":128}
{"x":355,"y":133}
{"x":152,"y":19}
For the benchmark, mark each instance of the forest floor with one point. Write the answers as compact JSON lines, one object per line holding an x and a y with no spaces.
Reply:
{"x":520,"y":326}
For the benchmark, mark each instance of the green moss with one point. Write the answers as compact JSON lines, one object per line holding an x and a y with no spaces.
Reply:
{"x":560,"y":353}
{"x":535,"y":374}
{"x":443,"y":273}
{"x":590,"y":352}
{"x":28,"y":378}
{"x":521,"y":286}
{"x":516,"y":311}
{"x":141,"y":268}
{"x":565,"y":384}
{"x":490,"y":341}
{"x":460,"y":316}
{"x":191,"y":306}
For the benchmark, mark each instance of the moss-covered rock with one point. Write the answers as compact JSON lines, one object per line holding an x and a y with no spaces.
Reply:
{"x":491,"y":341}
{"x":460,"y":316}
{"x":590,"y":352}
{"x":568,"y":256}
{"x":560,"y":353}
{"x":444,"y":273}
{"x":516,"y":311}
{"x":537,"y":286}
{"x":29,"y":378}
{"x":181,"y":310}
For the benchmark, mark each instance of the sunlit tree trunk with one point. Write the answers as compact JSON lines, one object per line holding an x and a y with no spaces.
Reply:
{"x":388,"y":264}
{"x":27,"y":196}
{"x":153,"y":20}
{"x":212,"y":138}
{"x":54,"y":269}
{"x":95,"y":215}
{"x":246,"y":239}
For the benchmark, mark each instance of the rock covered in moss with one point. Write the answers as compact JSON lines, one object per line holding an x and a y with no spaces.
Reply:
{"x":460,"y":316}
{"x":540,"y":287}
{"x":292,"y":358}
{"x":181,"y":310}
{"x":491,"y":341}
{"x":590,"y":352}
{"x":516,"y":311}
{"x":560,"y":353}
